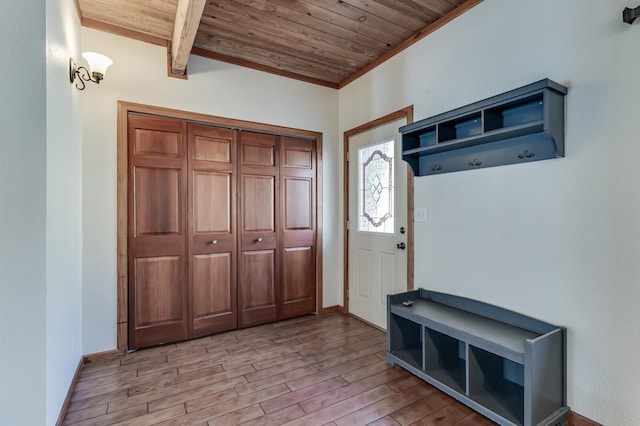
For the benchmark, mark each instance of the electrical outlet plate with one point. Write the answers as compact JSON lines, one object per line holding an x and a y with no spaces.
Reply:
{"x":420,"y":215}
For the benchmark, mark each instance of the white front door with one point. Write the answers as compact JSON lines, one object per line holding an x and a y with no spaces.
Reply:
{"x":377,"y":230}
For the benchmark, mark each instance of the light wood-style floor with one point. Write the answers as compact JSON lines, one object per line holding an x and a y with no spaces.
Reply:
{"x":328,"y":370}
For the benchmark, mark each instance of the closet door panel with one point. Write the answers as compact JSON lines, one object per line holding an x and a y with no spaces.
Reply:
{"x":298,"y":226}
{"x":212,"y":305}
{"x":157,"y":201}
{"x":258,"y":298}
{"x":259,"y":285}
{"x":216,"y":146}
{"x":297,"y":212}
{"x":158,"y":306}
{"x":211,"y":202}
{"x":298,"y":281}
{"x":212,"y":233}
{"x":258,"y":195}
{"x":159,"y":299}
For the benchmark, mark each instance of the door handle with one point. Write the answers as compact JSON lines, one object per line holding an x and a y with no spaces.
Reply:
{"x":401,"y":246}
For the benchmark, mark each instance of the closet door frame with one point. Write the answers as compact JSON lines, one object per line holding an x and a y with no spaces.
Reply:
{"x":126,"y":108}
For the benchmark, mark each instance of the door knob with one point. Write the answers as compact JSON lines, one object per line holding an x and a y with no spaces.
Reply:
{"x":259,"y":240}
{"x":401,"y":246}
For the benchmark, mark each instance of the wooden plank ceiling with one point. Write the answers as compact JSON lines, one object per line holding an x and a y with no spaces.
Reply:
{"x":327,"y":42}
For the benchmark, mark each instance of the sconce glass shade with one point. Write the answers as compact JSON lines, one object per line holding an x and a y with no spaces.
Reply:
{"x":98,"y":63}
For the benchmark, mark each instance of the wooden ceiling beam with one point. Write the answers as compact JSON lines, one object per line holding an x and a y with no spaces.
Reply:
{"x":188,"y":15}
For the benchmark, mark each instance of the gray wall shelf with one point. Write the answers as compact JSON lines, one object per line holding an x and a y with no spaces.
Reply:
{"x":507,"y":366}
{"x":522,"y":125}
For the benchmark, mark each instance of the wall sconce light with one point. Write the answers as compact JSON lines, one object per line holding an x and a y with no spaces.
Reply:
{"x":98,"y":65}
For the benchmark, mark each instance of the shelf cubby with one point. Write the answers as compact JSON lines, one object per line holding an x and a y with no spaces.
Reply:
{"x":522,"y":125}
{"x":467,"y":126}
{"x":445,"y":359}
{"x":497,"y":383}
{"x":523,"y":111}
{"x":407,"y":342}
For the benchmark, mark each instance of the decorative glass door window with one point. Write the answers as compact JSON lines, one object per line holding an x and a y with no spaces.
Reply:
{"x":375,"y":184}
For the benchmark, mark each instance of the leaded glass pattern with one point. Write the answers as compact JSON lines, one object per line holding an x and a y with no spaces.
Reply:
{"x":375,"y":183}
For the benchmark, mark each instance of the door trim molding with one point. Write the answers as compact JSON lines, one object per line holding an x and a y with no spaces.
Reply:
{"x":124,"y":109}
{"x":406,"y":113}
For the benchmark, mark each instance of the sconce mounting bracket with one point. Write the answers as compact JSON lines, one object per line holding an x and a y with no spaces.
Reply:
{"x":629,"y":15}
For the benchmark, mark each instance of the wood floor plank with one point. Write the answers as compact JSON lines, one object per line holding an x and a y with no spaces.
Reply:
{"x":120,"y":416}
{"x":333,"y":362}
{"x":97,"y":400}
{"x":354,"y":332}
{"x":237,"y":417}
{"x":385,"y":421}
{"x":86,"y":390}
{"x":450,"y":414}
{"x":268,"y":362}
{"x":174,"y":389}
{"x":261,"y":361}
{"x":385,"y":407}
{"x":343,"y":408}
{"x":87,"y":413}
{"x":98,"y":366}
{"x":414,"y":412}
{"x":237,"y":403}
{"x":222,"y":390}
{"x":407,"y":381}
{"x":278,"y":369}
{"x":156,"y":417}
{"x":313,"y":370}
{"x":198,"y":413}
{"x":313,"y":347}
{"x":475,"y":419}
{"x":325,"y":400}
{"x":331,"y":373}
{"x":276,"y":380}
{"x":215,"y":360}
{"x":89,"y":383}
{"x":367,"y":371}
{"x":182,"y":361}
{"x":373,"y":333}
{"x":106,"y":372}
{"x":374,"y":343}
{"x":277,"y":418}
{"x":277,"y":404}
{"x":202,"y":377}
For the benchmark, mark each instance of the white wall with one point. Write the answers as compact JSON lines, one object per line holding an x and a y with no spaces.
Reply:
{"x":22,"y":213}
{"x":40,"y":211}
{"x":64,"y":206}
{"x":139,"y":74}
{"x":558,"y":240}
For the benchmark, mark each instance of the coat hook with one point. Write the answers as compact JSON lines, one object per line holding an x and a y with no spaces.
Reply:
{"x":630,"y":15}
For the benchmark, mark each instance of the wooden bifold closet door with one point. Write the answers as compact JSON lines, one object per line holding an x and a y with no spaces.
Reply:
{"x":298,"y":231}
{"x":211,"y":230}
{"x":221,"y":229}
